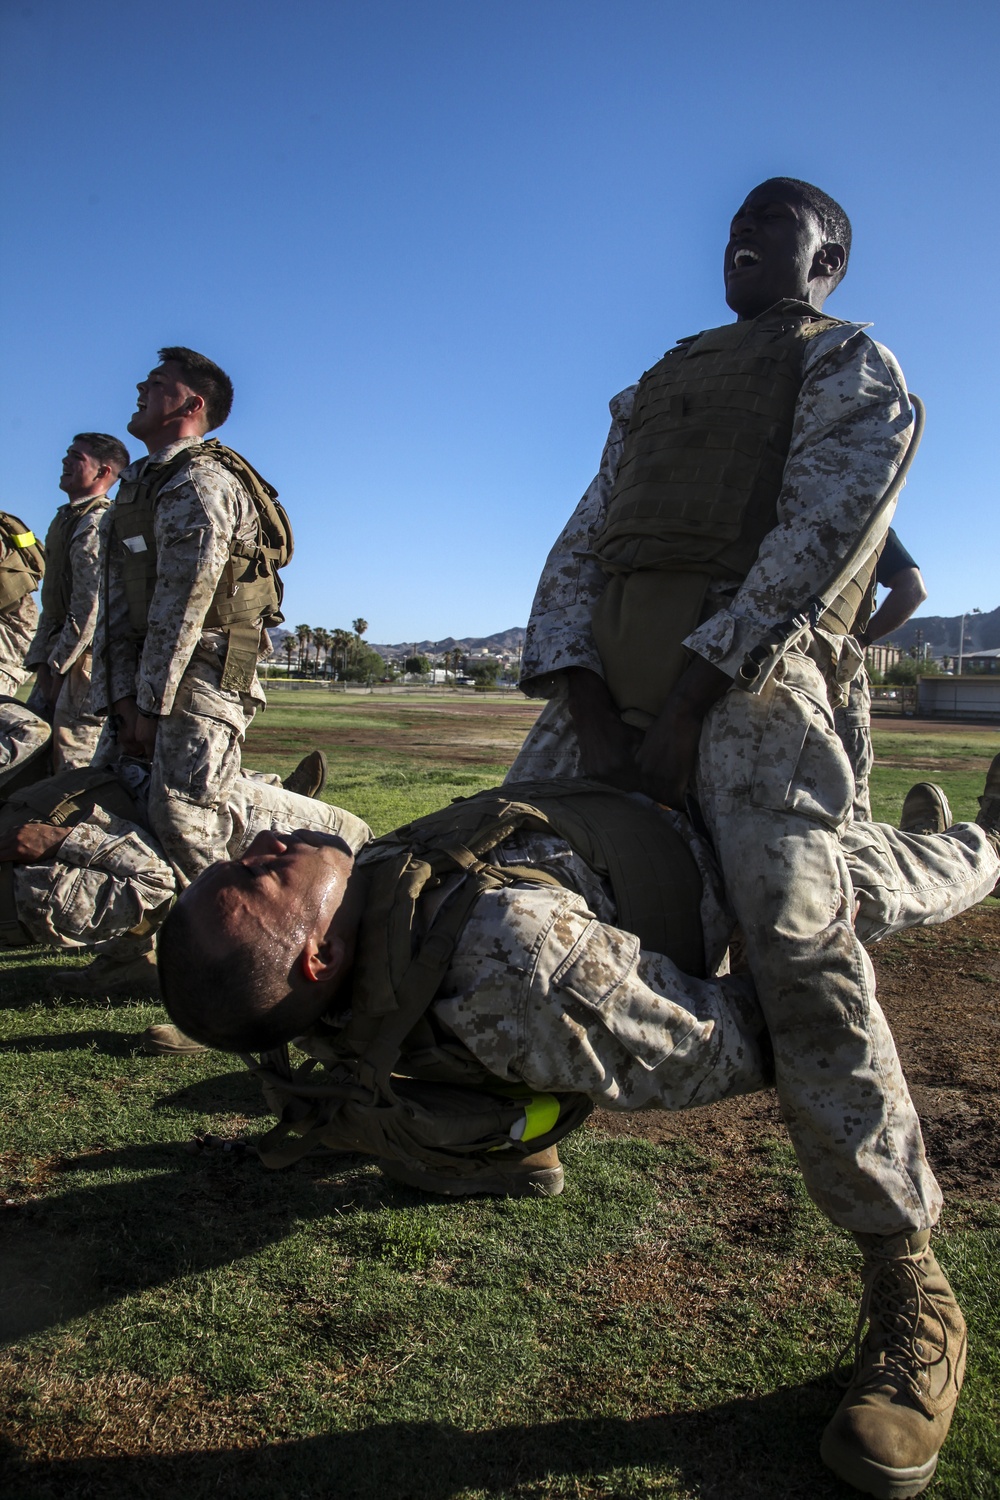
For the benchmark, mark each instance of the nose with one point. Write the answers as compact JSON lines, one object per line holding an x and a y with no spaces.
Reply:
{"x":742,"y":224}
{"x":265,"y":843}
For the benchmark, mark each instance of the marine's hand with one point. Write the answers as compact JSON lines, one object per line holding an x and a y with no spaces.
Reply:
{"x":607,"y":746}
{"x":145,"y":734}
{"x":667,"y":758}
{"x":49,"y":682}
{"x":127,"y":713}
{"x":31,"y":843}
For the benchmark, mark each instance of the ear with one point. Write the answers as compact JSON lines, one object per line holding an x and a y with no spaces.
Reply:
{"x":323,"y":961}
{"x":829,"y":260}
{"x":194,"y":406}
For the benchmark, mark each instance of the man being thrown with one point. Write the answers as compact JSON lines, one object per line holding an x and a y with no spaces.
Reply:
{"x":80,"y":871}
{"x":480,"y":945}
{"x":739,"y":478}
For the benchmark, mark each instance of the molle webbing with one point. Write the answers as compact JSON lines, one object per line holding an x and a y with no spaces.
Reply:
{"x":853,"y":607}
{"x":703,"y":458}
{"x":249,"y":591}
{"x":57,"y":585}
{"x":23,"y":562}
{"x":390,"y":1083}
{"x":63,"y":800}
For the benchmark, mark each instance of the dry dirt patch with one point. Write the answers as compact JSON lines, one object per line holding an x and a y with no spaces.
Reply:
{"x":940,"y":988}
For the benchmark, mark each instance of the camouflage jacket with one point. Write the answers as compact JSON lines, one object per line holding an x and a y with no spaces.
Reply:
{"x":851,"y":429}
{"x":60,"y":644}
{"x":17,"y":626}
{"x":109,"y":873}
{"x":199,"y":513}
{"x":544,"y":989}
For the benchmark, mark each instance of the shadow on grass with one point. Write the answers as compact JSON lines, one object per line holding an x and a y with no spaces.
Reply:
{"x":108,"y":1043}
{"x":762,"y":1446}
{"x":77,"y":1250}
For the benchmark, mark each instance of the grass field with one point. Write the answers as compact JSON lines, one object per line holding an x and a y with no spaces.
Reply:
{"x":178,"y":1322}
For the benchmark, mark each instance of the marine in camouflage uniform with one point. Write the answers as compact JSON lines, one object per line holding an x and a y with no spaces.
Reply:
{"x":773,"y":781}
{"x":166,"y":690}
{"x":897,"y":572}
{"x":61,"y":651}
{"x":716,"y":507}
{"x":24,"y":735}
{"x":108,"y":875}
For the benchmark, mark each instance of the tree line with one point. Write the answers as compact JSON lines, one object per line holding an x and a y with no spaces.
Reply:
{"x":314,"y":651}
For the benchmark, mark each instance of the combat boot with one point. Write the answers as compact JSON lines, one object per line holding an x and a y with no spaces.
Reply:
{"x":925,"y":809}
{"x":107,"y":977}
{"x":168,"y":1041}
{"x":309,"y":776}
{"x":988,"y":816}
{"x":886,"y":1434}
{"x":504,"y":1175}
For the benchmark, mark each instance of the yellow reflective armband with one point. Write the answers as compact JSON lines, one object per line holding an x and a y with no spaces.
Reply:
{"x":23,"y":538}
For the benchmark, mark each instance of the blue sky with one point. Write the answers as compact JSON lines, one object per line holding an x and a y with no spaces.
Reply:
{"x":429,"y":240}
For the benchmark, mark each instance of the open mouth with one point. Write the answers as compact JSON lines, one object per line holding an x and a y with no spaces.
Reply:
{"x":745,"y":257}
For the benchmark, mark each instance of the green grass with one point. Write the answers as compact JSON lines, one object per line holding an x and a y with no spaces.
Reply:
{"x":189,"y":1325}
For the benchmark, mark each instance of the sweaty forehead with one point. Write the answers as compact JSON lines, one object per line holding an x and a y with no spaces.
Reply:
{"x":779,"y":194}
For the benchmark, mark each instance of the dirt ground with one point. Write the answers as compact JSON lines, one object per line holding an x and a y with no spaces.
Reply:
{"x":940,"y":988}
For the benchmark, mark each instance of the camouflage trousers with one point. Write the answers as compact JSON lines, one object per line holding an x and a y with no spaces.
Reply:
{"x":75,"y":730}
{"x":22,"y":735}
{"x":777,"y":790}
{"x":853,"y":723}
{"x":196,"y":761}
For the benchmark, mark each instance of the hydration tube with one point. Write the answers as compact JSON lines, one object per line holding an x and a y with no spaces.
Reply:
{"x":759,"y":663}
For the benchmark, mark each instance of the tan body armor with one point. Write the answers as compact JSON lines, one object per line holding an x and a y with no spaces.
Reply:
{"x":248,"y":597}
{"x":57,"y":585}
{"x":696,"y":493}
{"x":376,"y":1092}
{"x":64,"y":800}
{"x":22,"y":566}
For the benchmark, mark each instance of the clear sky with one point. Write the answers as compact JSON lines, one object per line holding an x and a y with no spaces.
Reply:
{"x":429,"y":239}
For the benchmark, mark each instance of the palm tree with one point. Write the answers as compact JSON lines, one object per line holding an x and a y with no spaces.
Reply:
{"x":303,"y":634}
{"x":341,"y":642}
{"x":321,"y":640}
{"x":288,"y":646}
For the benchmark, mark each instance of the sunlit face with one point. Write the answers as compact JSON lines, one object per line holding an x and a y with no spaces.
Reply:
{"x":80,"y":471}
{"x":163,"y":399}
{"x":285,"y":885}
{"x":772,"y":251}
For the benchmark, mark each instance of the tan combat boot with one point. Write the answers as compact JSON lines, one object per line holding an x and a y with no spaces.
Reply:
{"x":925,"y":809}
{"x":504,"y":1175}
{"x":988,"y":816}
{"x":886,"y":1434}
{"x":309,"y":776}
{"x":168,"y":1041}
{"x":108,"y":977}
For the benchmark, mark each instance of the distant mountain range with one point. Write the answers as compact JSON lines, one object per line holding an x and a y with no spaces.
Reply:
{"x":940,"y":632}
{"x":501,"y":640}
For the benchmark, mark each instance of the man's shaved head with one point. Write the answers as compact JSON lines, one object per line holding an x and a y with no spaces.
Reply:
{"x":832,"y":220}
{"x":253,"y":952}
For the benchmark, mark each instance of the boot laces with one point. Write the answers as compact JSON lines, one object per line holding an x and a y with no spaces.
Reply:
{"x":896,"y":1308}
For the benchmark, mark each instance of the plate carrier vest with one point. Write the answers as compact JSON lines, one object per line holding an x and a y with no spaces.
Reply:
{"x":23,"y":564}
{"x":249,"y":594}
{"x":696,"y":493}
{"x":57,"y":585}
{"x":391,"y":1083}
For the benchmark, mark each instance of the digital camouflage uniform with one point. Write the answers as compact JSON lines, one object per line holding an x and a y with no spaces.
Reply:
{"x":65,"y":644}
{"x":17,"y":626}
{"x":177,"y":674}
{"x":773,"y":781}
{"x":110,"y":875}
{"x":22,"y":733}
{"x":544,"y":989}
